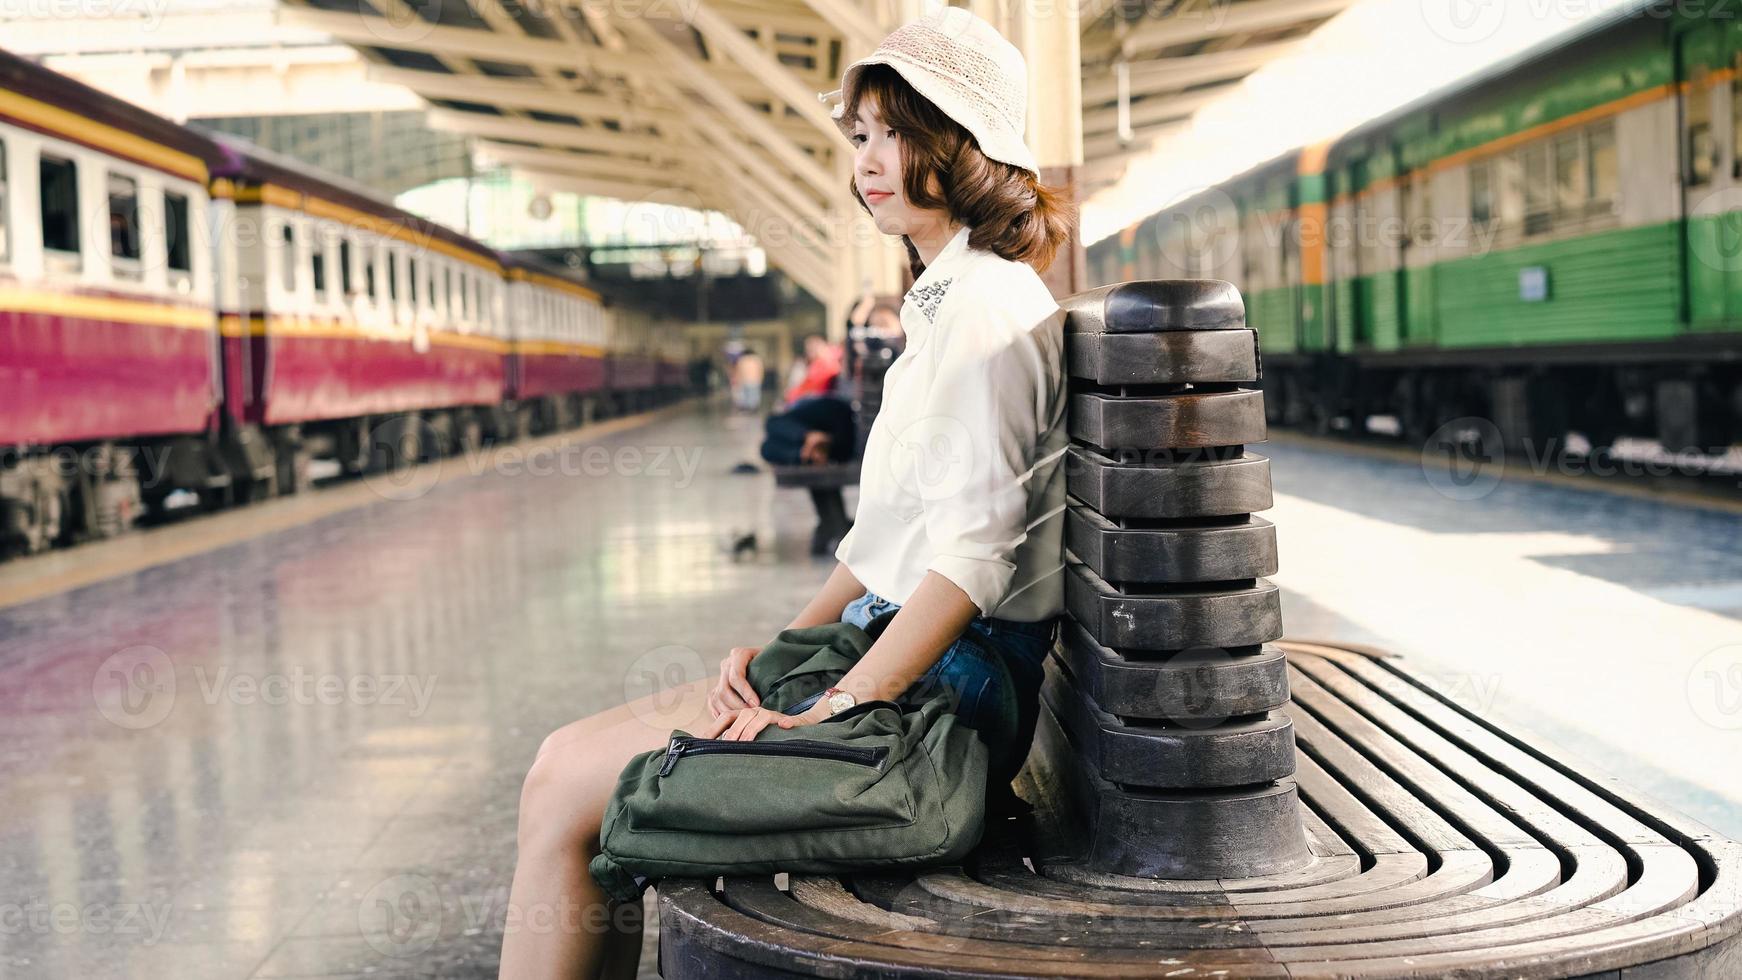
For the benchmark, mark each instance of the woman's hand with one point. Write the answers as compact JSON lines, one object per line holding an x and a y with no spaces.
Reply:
{"x":744,"y":724}
{"x":734,"y":692}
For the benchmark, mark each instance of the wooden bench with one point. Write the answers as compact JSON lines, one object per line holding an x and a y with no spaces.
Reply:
{"x":863,"y":385}
{"x":1212,"y":801}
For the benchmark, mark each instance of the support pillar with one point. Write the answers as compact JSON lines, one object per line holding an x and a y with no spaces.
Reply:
{"x":1048,"y":36}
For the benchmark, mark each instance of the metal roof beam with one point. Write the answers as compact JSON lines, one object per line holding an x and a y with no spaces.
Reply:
{"x":780,"y":80}
{"x":755,"y":123}
{"x":1164,"y":74}
{"x":1222,"y":19}
{"x":595,"y":138}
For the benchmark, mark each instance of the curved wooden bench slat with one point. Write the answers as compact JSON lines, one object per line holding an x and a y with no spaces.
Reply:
{"x":1441,"y":845}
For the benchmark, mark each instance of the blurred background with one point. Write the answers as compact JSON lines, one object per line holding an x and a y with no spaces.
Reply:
{"x":384,"y":383}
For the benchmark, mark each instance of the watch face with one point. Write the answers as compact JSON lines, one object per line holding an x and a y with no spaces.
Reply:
{"x":840,"y":701}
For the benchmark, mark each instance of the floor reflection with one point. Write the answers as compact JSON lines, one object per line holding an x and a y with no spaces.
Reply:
{"x":301,"y":755}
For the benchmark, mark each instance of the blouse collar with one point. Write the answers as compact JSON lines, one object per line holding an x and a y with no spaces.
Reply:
{"x":919,"y":306}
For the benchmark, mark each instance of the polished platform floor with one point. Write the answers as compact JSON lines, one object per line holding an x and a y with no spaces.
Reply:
{"x":295,"y":748}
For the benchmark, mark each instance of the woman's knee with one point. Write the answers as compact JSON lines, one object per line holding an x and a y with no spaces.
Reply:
{"x":562,"y":800}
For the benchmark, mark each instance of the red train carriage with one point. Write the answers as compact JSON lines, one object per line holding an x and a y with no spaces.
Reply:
{"x":557,"y":369}
{"x":340,"y":311}
{"x":107,"y":333}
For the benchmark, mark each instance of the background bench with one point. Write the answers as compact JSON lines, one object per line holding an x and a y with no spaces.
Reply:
{"x":862,"y":384}
{"x":1210,"y":801}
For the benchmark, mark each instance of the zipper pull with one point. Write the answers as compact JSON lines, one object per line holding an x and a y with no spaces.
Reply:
{"x":672,"y":752}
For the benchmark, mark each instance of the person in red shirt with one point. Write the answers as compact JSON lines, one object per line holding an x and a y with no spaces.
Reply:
{"x":823,"y":361}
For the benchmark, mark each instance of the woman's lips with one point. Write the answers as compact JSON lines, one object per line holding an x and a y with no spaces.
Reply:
{"x":878,"y":197}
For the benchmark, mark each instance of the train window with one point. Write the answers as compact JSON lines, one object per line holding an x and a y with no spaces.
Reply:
{"x":1572,"y":186}
{"x":1538,"y":181}
{"x":287,"y":256}
{"x":58,"y":179}
{"x":393,"y":277}
{"x":124,"y":226}
{"x":1736,"y":117}
{"x":411,"y":281}
{"x":345,"y":277}
{"x":175,"y":232}
{"x":5,"y":212}
{"x":371,"y":257}
{"x":1604,"y":168}
{"x":1482,"y":193}
{"x":318,"y":266}
{"x":1701,"y":151}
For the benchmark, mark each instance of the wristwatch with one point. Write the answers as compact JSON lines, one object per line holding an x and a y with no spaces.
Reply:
{"x":838,"y":700}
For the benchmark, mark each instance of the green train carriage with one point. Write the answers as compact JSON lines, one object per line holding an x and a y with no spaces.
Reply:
{"x":1555,"y":245}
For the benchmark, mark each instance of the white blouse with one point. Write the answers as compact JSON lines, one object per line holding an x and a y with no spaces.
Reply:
{"x":963,"y":471}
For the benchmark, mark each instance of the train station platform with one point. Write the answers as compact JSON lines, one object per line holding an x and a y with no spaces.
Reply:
{"x":289,"y":741}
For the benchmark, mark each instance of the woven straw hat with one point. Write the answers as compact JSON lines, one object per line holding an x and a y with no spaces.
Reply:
{"x":965,"y":68}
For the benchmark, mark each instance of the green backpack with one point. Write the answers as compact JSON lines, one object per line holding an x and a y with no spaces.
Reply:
{"x":880,"y":784}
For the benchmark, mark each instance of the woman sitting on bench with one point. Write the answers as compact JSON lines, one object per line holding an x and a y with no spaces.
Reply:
{"x":960,"y":521}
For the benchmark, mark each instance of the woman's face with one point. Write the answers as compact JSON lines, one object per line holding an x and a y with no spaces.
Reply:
{"x":878,"y":178}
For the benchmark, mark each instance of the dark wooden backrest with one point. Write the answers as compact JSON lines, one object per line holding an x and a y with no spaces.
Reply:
{"x":1164,"y":701}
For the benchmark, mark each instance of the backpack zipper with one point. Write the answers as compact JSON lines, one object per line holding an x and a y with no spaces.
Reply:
{"x":682,"y":745}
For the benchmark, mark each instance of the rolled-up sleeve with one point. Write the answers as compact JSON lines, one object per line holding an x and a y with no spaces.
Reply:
{"x":973,"y":449}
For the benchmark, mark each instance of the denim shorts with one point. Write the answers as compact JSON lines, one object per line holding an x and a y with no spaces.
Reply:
{"x":970,"y":679}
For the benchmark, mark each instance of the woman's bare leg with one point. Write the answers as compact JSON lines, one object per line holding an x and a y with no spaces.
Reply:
{"x":560,"y":923}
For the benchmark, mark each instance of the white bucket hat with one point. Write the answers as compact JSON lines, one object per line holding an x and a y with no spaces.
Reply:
{"x":965,"y":68}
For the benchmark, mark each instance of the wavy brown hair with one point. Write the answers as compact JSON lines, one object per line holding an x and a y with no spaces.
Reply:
{"x":1011,"y":212}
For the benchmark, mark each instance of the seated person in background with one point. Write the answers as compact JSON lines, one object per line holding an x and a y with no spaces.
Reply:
{"x":822,"y":367}
{"x":812,"y":431}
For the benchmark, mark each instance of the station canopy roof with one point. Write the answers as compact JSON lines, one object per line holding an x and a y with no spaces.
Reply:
{"x":713,"y":103}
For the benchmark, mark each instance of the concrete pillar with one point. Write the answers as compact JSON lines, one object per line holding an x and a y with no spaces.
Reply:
{"x":1048,"y":36}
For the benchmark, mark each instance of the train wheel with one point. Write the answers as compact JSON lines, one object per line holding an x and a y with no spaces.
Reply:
{"x":33,"y":507}
{"x":471,"y":432}
{"x":395,"y":442}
